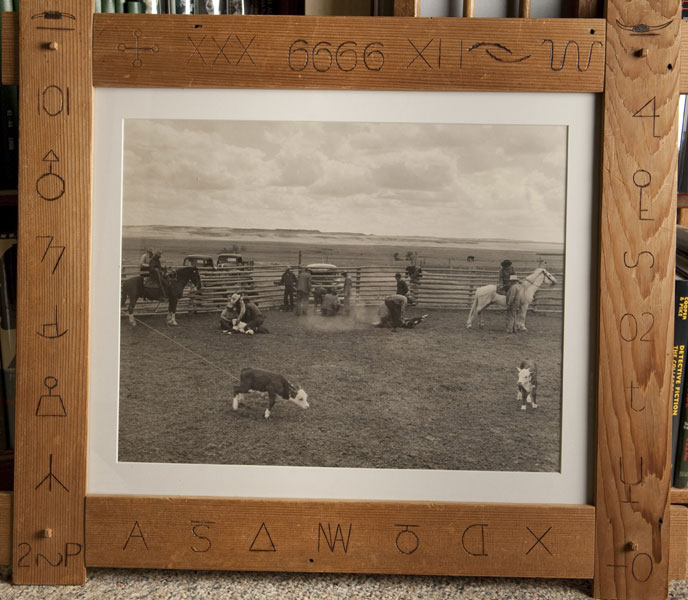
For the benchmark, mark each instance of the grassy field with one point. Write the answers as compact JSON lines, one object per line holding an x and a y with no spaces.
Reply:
{"x":436,"y":397}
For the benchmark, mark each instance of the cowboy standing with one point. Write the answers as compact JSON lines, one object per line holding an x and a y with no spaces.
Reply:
{"x":303,"y":292}
{"x":347,"y":293}
{"x":288,"y":280}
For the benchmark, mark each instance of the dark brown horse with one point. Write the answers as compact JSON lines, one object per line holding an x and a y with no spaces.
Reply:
{"x":134,"y":289}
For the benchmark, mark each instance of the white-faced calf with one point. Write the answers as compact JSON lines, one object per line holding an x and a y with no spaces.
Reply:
{"x":527,"y":383}
{"x":271,"y":384}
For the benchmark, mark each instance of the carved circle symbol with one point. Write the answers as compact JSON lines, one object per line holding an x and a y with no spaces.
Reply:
{"x":640,"y":573}
{"x":50,"y":382}
{"x":53,"y":100}
{"x":642,"y":178}
{"x":50,"y":186}
{"x":407,"y":542}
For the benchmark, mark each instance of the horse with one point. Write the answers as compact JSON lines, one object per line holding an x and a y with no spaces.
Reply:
{"x":487,"y":294}
{"x":133,"y":289}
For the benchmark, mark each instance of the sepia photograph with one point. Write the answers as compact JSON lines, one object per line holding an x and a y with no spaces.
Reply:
{"x":342,"y":294}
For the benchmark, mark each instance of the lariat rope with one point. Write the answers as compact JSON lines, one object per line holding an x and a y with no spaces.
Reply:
{"x":196,"y":354}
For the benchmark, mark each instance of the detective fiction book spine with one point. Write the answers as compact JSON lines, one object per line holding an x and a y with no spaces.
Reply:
{"x":678,"y":363}
{"x":8,"y":330}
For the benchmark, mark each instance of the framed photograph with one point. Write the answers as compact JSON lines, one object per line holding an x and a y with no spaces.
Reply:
{"x":355,"y":294}
{"x":420,"y":195}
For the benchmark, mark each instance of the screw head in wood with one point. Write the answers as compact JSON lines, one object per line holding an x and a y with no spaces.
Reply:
{"x":51,"y":46}
{"x":631,"y":547}
{"x":640,"y":52}
{"x":47,"y":533}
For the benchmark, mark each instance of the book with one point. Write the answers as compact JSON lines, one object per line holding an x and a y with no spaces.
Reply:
{"x":679,"y":356}
{"x":9,"y":151}
{"x":8,"y":328}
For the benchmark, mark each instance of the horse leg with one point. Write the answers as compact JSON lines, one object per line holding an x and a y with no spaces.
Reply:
{"x":471,"y":314}
{"x":132,"y":305}
{"x":522,"y":317}
{"x":171,"y":314}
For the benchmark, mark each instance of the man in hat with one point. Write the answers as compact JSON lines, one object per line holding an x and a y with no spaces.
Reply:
{"x":248,"y":319}
{"x":507,"y":277}
{"x":402,"y":286}
{"x":156,"y":272}
{"x":303,"y":292}
{"x":288,"y":280}
{"x":346,"y":303}
{"x":144,"y":263}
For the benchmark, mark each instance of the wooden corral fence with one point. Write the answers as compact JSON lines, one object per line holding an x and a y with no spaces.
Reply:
{"x":436,"y":288}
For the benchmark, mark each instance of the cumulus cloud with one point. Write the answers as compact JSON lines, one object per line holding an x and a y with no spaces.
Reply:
{"x":443,"y":180}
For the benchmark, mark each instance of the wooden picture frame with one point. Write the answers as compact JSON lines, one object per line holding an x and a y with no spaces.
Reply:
{"x":630,"y":541}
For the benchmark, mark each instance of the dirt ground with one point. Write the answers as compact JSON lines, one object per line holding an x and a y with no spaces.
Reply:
{"x":436,"y":397}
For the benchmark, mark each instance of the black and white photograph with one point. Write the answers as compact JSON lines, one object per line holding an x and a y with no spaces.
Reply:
{"x":342,"y":294}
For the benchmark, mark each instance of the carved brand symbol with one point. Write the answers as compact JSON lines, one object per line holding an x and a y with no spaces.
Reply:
{"x":407,"y":541}
{"x":137,"y":49}
{"x":52,"y":331}
{"x":566,"y":49}
{"x":53,"y":101}
{"x":642,"y":29}
{"x":50,"y":404}
{"x":50,"y":186}
{"x":262,"y":542}
{"x":499,"y":52}
{"x":61,"y":250}
{"x":50,"y":477}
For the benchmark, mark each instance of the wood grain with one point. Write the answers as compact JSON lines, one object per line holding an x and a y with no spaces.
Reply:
{"x":338,"y":536}
{"x":429,"y":54}
{"x":55,"y":129}
{"x":5,"y":528}
{"x":407,"y":8}
{"x":636,"y":329}
{"x":10,"y":64}
{"x":678,"y":551}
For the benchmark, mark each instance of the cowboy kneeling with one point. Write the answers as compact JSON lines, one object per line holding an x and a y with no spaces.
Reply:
{"x":249,"y":319}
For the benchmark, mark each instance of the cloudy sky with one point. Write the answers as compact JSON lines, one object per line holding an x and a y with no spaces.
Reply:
{"x":478,"y":181}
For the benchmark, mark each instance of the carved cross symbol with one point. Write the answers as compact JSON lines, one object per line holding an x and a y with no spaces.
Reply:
{"x":137,"y":62}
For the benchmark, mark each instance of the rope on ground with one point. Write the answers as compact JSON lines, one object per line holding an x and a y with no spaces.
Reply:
{"x":196,"y":354}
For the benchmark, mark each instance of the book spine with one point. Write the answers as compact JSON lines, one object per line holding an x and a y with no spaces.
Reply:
{"x":9,"y":151}
{"x":679,"y":365}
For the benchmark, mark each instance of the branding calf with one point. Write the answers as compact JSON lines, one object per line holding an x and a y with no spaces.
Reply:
{"x":527,"y":383}
{"x":269,"y":383}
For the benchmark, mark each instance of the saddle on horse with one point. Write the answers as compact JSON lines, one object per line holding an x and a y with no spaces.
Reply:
{"x":156,"y":280}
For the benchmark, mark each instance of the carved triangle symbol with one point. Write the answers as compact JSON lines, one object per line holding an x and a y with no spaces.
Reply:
{"x":50,"y":157}
{"x":262,"y":542}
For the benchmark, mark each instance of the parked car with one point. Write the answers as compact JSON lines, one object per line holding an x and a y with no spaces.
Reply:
{"x":199,"y":260}
{"x":226,"y":260}
{"x":325,"y":275}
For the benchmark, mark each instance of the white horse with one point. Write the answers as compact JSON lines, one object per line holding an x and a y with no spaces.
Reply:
{"x":487,"y":294}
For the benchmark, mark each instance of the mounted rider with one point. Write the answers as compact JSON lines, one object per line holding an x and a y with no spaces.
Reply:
{"x":157,"y":277}
{"x":507,"y":277}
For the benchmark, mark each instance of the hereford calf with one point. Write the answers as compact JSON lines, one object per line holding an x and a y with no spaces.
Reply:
{"x":269,"y":383}
{"x":527,"y":383}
